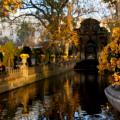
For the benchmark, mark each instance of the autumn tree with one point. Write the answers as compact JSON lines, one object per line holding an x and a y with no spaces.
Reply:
{"x":9,"y":51}
{"x":7,"y":6}
{"x":55,"y":15}
{"x":58,"y":17}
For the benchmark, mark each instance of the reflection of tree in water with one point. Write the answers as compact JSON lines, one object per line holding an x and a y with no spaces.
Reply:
{"x":23,"y":97}
{"x":89,"y":93}
{"x":64,"y":102}
{"x":57,"y":97}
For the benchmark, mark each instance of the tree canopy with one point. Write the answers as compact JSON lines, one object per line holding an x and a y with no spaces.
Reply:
{"x":7,"y":6}
{"x":55,"y":16}
{"x":9,"y":51}
{"x":113,"y":4}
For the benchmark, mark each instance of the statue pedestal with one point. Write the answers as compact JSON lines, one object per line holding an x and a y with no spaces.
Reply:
{"x":53,"y":58}
{"x":24,"y":70}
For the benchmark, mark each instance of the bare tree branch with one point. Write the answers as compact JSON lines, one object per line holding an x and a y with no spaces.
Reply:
{"x":30,"y":14}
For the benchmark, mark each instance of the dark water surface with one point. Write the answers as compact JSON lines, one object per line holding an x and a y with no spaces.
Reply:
{"x":70,"y":96}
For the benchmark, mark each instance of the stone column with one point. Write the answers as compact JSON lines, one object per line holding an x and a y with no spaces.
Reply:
{"x":66,"y":50}
{"x":53,"y":58}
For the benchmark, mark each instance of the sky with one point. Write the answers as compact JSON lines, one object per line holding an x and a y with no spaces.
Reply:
{"x":98,"y":6}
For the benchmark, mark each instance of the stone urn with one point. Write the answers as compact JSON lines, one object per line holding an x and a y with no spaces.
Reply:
{"x":24,"y":58}
{"x":24,"y":67}
{"x":112,"y":92}
{"x":113,"y":95}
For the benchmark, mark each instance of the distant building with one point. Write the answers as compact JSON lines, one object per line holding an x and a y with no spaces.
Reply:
{"x":9,"y":29}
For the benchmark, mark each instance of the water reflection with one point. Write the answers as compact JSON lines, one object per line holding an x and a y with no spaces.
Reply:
{"x":72,"y":96}
{"x":89,"y":93}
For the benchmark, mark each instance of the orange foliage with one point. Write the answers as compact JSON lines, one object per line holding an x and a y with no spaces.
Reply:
{"x":109,"y":58}
{"x":116,"y":32}
{"x":7,"y":6}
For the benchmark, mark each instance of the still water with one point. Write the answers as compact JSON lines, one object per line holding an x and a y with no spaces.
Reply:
{"x":70,"y":96}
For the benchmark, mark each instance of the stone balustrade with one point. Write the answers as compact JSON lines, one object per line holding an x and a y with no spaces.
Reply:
{"x":14,"y":78}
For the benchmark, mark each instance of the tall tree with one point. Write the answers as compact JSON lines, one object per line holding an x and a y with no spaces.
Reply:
{"x":54,"y":13}
{"x":57,"y":16}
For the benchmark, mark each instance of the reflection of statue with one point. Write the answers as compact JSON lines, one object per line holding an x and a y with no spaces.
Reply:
{"x":25,"y":99}
{"x":89,"y":94}
{"x":22,"y":96}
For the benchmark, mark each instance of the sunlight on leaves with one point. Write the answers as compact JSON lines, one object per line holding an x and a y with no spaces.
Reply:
{"x":7,"y":6}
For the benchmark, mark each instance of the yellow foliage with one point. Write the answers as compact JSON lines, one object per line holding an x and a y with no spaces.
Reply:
{"x":7,"y":6}
{"x":116,"y":79}
{"x":116,"y":32}
{"x":109,"y":58}
{"x":74,"y":38}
